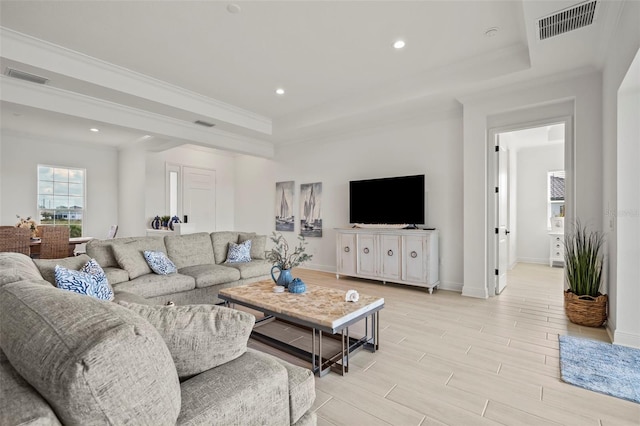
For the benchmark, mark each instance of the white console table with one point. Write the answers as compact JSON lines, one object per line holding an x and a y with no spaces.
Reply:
{"x":556,"y":247}
{"x":178,"y":229}
{"x":405,"y":256}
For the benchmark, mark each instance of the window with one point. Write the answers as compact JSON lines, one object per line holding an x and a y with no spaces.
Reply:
{"x":61,"y":197}
{"x":555,"y":196}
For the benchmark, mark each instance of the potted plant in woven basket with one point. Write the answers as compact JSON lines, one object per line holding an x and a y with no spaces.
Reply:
{"x":583,"y":302}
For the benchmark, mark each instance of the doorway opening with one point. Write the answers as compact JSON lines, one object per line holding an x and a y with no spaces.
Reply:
{"x":529,"y":175}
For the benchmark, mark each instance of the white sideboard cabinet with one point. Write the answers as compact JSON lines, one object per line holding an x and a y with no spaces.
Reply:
{"x":405,"y":256}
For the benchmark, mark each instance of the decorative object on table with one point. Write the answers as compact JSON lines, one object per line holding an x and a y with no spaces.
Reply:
{"x":557,"y":224}
{"x":173,"y":220}
{"x":583,"y":302}
{"x":156,"y":223}
{"x":170,"y":303}
{"x":601,"y":367}
{"x":351,"y":296}
{"x":284,"y":260}
{"x":297,"y":286}
{"x":165,"y":221}
{"x":278,"y":289}
{"x":310,"y":202}
{"x":27,"y":223}
{"x":285,"y":219}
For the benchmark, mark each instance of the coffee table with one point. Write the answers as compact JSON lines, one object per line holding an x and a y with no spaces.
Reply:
{"x":322,"y":310}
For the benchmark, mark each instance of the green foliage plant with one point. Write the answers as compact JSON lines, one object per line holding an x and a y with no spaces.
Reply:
{"x":583,"y":260}
{"x":282,"y":255}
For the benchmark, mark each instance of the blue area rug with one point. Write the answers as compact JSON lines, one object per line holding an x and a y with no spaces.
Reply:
{"x":602,"y":367}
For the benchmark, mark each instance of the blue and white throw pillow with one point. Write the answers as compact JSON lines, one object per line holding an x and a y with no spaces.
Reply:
{"x":239,"y":253}
{"x":84,"y":283}
{"x":103,"y":290}
{"x":159,"y":262}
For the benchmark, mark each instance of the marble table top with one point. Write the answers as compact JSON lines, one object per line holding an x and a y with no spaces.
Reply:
{"x":322,"y":307}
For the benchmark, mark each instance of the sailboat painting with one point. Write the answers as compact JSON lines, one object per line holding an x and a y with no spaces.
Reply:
{"x":310,"y":202}
{"x":285,"y":220}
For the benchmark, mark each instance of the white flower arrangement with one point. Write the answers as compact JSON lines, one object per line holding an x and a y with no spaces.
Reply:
{"x":26,"y":223}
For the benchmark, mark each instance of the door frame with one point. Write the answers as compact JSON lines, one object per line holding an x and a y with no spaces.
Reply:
{"x":492,"y":174}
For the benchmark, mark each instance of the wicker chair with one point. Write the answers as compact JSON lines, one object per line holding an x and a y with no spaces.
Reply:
{"x":15,"y":239}
{"x":55,"y":242}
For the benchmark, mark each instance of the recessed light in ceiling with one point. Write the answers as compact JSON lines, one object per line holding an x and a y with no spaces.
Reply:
{"x":491,"y":32}
{"x":399,"y":44}
{"x":280,"y":91}
{"x":233,"y":8}
{"x":93,"y":129}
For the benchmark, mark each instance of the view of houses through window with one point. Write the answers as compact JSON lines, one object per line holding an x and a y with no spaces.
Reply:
{"x":555,"y":198}
{"x":61,"y":197}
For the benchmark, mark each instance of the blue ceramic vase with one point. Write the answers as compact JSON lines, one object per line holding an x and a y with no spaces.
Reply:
{"x":284,"y":279}
{"x":297,"y":286}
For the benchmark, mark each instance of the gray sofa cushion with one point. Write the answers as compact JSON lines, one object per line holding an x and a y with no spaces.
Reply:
{"x":95,"y":362}
{"x":20,"y":403}
{"x":221,"y":242}
{"x":130,"y":255}
{"x":302,"y":390}
{"x":125,"y":296}
{"x":250,"y":390}
{"x":47,"y":267}
{"x":152,"y":285}
{"x":252,"y":269}
{"x":115,"y":275}
{"x":190,"y":249}
{"x":17,"y":267}
{"x":102,"y":251}
{"x":208,"y":275}
{"x":258,"y":244}
{"x":199,"y":337}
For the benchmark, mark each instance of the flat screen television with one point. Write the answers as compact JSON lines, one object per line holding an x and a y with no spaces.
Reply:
{"x":393,"y":201}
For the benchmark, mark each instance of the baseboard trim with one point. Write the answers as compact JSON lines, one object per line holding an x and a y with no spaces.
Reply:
{"x":541,"y":261}
{"x":626,"y":339}
{"x":477,"y":292}
{"x":450,"y":286}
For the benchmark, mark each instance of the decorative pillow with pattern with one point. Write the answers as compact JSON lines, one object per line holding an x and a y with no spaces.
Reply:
{"x":159,"y":262}
{"x":239,"y":253}
{"x":103,"y":289}
{"x":79,"y":282}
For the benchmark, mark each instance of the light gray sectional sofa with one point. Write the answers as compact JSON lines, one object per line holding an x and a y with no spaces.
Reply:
{"x":200,"y":259}
{"x":72,"y":359}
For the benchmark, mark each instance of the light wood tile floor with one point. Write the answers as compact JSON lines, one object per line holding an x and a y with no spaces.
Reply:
{"x":445,"y":359}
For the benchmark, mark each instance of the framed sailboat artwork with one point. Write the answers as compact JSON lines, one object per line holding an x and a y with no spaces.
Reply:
{"x":310,"y":203}
{"x":285,"y":219}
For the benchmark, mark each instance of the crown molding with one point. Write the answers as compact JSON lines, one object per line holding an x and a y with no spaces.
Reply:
{"x":42,"y":54}
{"x":74,"y":104}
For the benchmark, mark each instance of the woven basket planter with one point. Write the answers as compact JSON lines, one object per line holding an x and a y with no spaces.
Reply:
{"x":586,"y":310}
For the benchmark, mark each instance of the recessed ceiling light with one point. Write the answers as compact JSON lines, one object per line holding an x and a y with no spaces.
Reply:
{"x":93,"y":129}
{"x":233,"y":8}
{"x":280,"y":91}
{"x":491,"y":32}
{"x":399,"y":44}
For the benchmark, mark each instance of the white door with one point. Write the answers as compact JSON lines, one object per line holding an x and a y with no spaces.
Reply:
{"x":346,"y":254}
{"x":390,"y":252}
{"x":199,"y":198}
{"x":414,"y":249}
{"x":502,"y":254}
{"x":367,"y":255}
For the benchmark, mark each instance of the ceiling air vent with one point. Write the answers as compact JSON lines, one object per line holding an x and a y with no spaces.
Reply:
{"x":572,"y":18}
{"x":22,"y":75}
{"x":204,"y":123}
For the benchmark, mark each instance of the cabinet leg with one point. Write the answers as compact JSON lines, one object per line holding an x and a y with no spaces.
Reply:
{"x":430,"y":290}
{"x":337,"y":276}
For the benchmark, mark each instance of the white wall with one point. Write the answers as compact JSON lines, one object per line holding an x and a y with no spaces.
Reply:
{"x":532,"y":219}
{"x":412,"y":147}
{"x":19,"y":159}
{"x":224,"y":165}
{"x":624,"y":316}
{"x":585,"y":90}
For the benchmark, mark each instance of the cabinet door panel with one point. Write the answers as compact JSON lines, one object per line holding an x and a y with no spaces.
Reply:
{"x":367,"y":255}
{"x":346,"y":254}
{"x":390,"y":252}
{"x":414,"y":263}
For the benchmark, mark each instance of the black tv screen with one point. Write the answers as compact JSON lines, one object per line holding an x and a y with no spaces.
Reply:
{"x":396,"y":200}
